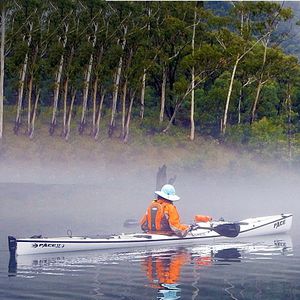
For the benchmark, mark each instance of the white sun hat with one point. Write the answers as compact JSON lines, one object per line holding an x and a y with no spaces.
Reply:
{"x":168,"y":192}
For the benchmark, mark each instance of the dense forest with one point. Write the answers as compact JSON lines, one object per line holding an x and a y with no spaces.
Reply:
{"x":218,"y":69}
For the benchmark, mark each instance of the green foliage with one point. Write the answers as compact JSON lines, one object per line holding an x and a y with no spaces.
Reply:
{"x":238,"y":134}
{"x":268,"y":107}
{"x":267,"y":136}
{"x":155,"y":37}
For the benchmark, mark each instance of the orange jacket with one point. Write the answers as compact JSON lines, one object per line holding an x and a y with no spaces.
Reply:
{"x":165,"y":219}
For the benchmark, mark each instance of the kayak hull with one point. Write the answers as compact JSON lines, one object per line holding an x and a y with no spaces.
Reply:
{"x":250,"y":248}
{"x":276,"y":224}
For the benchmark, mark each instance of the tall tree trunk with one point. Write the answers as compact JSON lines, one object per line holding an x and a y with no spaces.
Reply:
{"x":260,"y":83}
{"x":163,"y":94}
{"x":66,"y":86}
{"x":237,"y":60}
{"x":30,"y":86}
{"x":116,"y":87}
{"x":124,"y":94}
{"x":179,"y":102}
{"x":95,"y":91}
{"x":30,"y":89}
{"x":66,"y":92}
{"x":254,"y":107}
{"x":56,"y":94}
{"x":142,"y":111}
{"x":192,"y":133}
{"x":20,"y":94}
{"x":2,"y":58}
{"x":126,"y":136}
{"x":32,"y":123}
{"x":57,"y":84}
{"x":177,"y":106}
{"x":21,"y":84}
{"x":239,"y":105}
{"x":241,"y":96}
{"x":87,"y":85}
{"x":97,"y":129}
{"x":70,"y":115}
{"x":289,"y":108}
{"x":85,"y":94}
{"x":224,"y":124}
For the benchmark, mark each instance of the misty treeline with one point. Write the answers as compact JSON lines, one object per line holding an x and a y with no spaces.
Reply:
{"x":219,"y":72}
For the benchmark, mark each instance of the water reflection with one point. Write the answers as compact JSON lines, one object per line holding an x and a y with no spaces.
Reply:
{"x":161,"y":268}
{"x":163,"y":271}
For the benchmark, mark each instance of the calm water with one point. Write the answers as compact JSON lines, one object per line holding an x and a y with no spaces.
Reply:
{"x":264,"y":268}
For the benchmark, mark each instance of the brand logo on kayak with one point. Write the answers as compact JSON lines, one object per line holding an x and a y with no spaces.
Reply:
{"x":199,"y":233}
{"x":47,"y":245}
{"x":280,"y":243}
{"x":279,"y":223}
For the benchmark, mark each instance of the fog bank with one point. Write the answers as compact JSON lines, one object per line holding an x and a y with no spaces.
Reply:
{"x":98,"y":199}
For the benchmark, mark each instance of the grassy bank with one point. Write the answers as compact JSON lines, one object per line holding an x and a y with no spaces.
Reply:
{"x":146,"y":148}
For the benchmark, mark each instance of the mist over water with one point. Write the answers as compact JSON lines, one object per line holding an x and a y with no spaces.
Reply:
{"x":88,"y":199}
{"x":95,"y":199}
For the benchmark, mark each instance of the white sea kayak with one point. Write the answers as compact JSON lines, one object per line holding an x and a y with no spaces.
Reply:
{"x":202,"y":233}
{"x":202,"y":254}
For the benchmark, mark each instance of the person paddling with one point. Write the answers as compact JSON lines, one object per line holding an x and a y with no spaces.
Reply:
{"x":162,"y":216}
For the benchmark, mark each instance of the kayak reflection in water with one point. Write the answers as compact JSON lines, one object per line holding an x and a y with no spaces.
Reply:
{"x":163,"y":271}
{"x":162,"y":216}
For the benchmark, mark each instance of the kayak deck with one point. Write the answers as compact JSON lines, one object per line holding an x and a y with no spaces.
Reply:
{"x":249,"y":227}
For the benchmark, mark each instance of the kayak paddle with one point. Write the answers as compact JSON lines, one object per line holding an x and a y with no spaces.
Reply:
{"x":227,"y":230}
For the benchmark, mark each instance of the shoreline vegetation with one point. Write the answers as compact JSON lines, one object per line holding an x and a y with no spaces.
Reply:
{"x":144,"y":150}
{"x":202,"y":85}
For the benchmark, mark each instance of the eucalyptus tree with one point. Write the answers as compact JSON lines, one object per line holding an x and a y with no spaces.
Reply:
{"x":101,"y":70}
{"x":250,"y":23}
{"x":270,"y":73}
{"x":3,"y":8}
{"x":147,"y":50}
{"x":266,"y":18}
{"x":245,"y":81}
{"x":192,"y":132}
{"x":133,"y":77}
{"x":206,"y":62}
{"x":103,"y":73}
{"x":122,"y":14}
{"x":135,"y":74}
{"x":92,"y":22}
{"x":188,"y":48}
{"x":169,"y":36}
{"x":37,"y":53}
{"x":61,"y":13}
{"x":24,"y":25}
{"x":236,"y":43}
{"x":288,"y":76}
{"x":131,"y":26}
{"x":72,"y":70}
{"x":235,"y":47}
{"x":136,"y":64}
{"x":200,"y":33}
